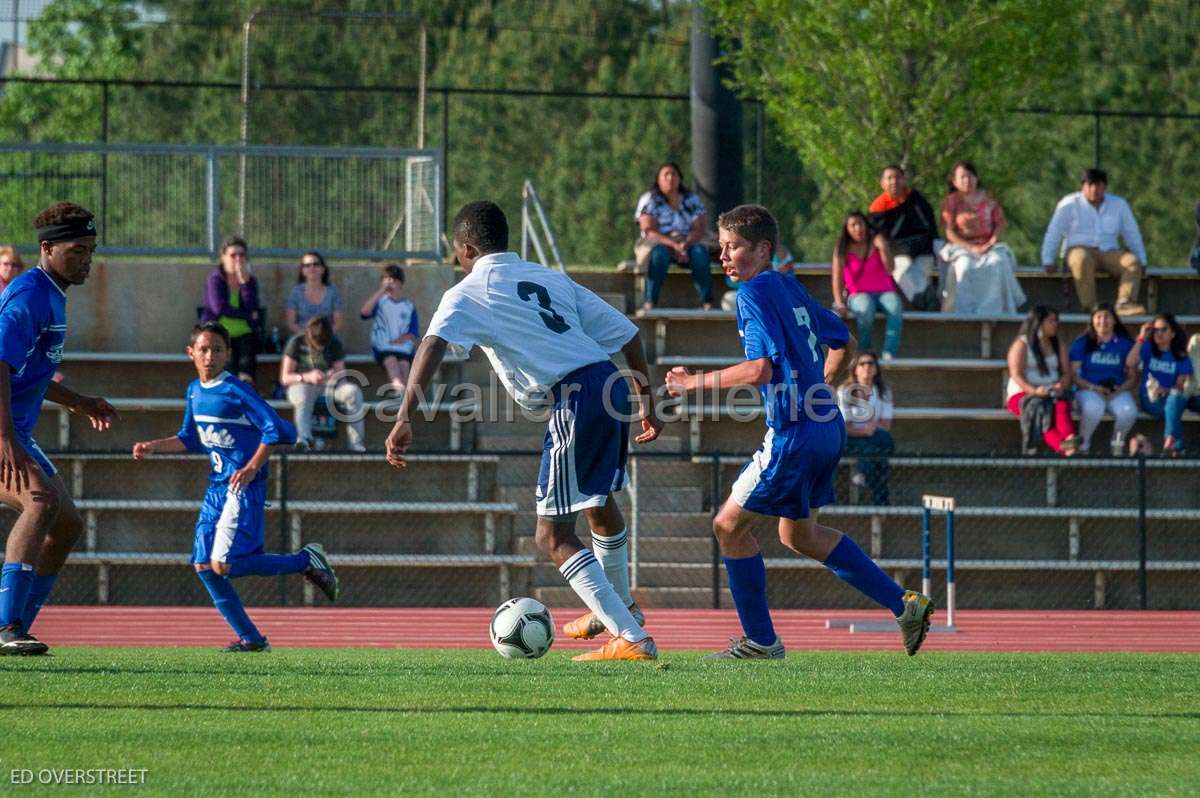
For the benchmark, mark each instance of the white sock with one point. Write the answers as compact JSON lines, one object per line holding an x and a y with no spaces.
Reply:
{"x":587,"y":579}
{"x":613,"y":554}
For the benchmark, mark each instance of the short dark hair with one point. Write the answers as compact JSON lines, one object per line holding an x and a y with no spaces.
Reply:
{"x":394,"y":271}
{"x":209,"y":327}
{"x":753,"y":223}
{"x":1094,"y":175}
{"x":482,"y":225}
{"x":235,"y":241}
{"x":895,"y":166}
{"x":63,"y":213}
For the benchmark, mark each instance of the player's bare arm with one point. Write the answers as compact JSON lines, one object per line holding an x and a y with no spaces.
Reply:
{"x":98,"y":411}
{"x":14,"y":462}
{"x":635,"y":356}
{"x":749,"y":372}
{"x":425,"y":363}
{"x":171,"y":445}
{"x":836,"y":359}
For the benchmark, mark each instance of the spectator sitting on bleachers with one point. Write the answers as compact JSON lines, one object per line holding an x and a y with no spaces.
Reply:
{"x":673,"y":224}
{"x":903,"y":215}
{"x":861,"y":266}
{"x":1162,"y":354}
{"x":394,"y":327}
{"x":981,"y":277}
{"x":867,"y":407}
{"x":231,"y":300}
{"x":313,"y":295}
{"x":11,"y":265}
{"x":1090,"y":220}
{"x":314,"y":363}
{"x":1039,"y":383}
{"x":781,"y":261}
{"x":1103,"y":378}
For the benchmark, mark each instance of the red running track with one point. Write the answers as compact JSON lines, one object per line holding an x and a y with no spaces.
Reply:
{"x":801,"y":630}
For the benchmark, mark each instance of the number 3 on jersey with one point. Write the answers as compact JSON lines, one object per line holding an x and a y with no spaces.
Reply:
{"x":550,"y":318}
{"x":805,"y":321}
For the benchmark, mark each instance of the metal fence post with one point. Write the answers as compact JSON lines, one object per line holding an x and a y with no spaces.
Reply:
{"x":716,"y":546}
{"x":103,"y":161}
{"x":283,"y":522}
{"x":1096,"y":139}
{"x":1143,"y":598}
{"x":213,"y":186}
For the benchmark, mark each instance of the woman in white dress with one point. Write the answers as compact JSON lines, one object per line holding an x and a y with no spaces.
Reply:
{"x":981,"y":278}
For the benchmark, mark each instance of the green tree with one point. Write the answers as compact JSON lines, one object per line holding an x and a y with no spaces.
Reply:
{"x":855,"y":85}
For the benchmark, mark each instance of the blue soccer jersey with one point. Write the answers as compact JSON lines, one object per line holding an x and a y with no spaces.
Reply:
{"x":1103,"y":365}
{"x":33,"y":326}
{"x":778,"y":319}
{"x":226,"y":419}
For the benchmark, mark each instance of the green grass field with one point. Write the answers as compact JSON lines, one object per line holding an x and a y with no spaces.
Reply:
{"x":303,"y":722}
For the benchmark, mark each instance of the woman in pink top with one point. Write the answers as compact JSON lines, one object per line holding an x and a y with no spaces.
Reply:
{"x":862,"y":281}
{"x":982,"y":275}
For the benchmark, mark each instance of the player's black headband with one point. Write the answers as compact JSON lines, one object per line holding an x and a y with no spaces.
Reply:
{"x":68,"y":231}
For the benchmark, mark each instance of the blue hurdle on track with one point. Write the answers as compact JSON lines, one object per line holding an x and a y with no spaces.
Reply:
{"x":945,"y":504}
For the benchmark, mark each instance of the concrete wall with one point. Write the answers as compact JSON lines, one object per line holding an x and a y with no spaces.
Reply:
{"x":142,"y":306}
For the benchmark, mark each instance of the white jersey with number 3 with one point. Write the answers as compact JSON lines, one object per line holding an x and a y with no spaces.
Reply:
{"x":534,"y":324}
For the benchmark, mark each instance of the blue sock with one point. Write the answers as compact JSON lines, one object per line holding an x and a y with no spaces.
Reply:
{"x":268,"y":564}
{"x":852,"y":565}
{"x":16,"y":580}
{"x":748,"y":584}
{"x":229,"y":604}
{"x":42,"y":585}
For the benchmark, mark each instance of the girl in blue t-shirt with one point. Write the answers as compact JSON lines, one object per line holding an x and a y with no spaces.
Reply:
{"x":1103,"y":379}
{"x":1162,"y":354}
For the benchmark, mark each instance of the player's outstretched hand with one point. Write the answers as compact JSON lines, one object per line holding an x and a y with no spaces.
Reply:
{"x":14,"y":467}
{"x":141,"y":449}
{"x":398,"y":441}
{"x":99,"y":412}
{"x":679,"y":381}
{"x":652,"y":426}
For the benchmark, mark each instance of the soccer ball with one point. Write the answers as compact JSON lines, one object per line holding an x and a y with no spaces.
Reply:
{"x":522,"y":627}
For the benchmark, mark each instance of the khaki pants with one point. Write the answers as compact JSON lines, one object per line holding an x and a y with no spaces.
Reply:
{"x":1120,"y":263}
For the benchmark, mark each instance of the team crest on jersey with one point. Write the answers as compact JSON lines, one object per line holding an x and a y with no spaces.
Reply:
{"x":215,"y":438}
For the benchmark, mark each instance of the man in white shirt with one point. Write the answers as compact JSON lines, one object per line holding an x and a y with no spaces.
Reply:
{"x":1090,"y":222}
{"x":549,"y":340}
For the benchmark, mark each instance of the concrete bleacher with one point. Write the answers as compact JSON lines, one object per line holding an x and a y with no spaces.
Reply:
{"x":456,"y":529}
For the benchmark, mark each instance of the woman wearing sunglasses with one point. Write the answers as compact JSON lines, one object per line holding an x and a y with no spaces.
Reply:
{"x":1162,"y":354}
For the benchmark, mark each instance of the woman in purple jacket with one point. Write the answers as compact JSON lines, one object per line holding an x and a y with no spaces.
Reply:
{"x":231,"y":300}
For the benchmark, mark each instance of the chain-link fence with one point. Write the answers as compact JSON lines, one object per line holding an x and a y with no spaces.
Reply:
{"x":456,"y":529}
{"x":279,"y":197}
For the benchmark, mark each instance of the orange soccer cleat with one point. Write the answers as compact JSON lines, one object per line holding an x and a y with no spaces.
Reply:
{"x":620,"y":648}
{"x":587,"y":626}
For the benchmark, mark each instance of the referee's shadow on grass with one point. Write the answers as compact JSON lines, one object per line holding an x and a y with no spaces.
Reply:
{"x":622,"y":711}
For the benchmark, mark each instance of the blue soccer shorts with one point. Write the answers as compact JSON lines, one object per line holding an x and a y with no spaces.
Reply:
{"x":793,"y":471}
{"x":587,"y":441}
{"x":230,"y":524}
{"x":35,"y":452}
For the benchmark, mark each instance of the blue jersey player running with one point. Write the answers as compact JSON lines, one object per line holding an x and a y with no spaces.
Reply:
{"x":784,"y":333}
{"x":33,"y":326}
{"x":229,"y":422}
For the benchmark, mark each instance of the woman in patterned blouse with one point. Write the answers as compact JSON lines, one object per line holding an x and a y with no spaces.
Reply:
{"x":673,"y":223}
{"x":981,"y":279}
